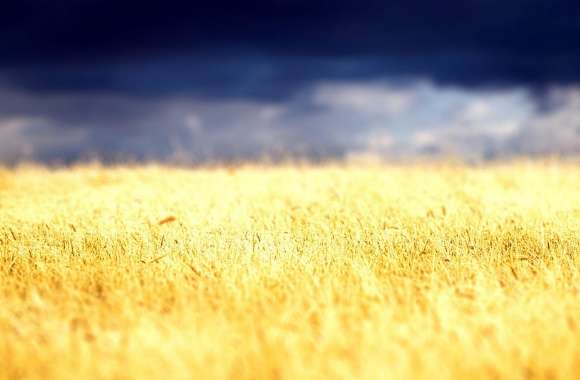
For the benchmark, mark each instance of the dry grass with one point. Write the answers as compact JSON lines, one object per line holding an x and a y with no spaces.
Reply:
{"x":380,"y":272}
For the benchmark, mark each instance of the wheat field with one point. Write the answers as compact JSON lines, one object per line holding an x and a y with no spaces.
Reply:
{"x":291,"y":272}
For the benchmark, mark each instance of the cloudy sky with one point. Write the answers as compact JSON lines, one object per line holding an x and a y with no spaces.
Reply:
{"x":183,"y":80}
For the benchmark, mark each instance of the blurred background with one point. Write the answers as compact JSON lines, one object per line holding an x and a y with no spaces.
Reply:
{"x":183,"y":81}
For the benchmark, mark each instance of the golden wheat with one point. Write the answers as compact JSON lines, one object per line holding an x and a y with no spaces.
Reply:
{"x":290,"y":272}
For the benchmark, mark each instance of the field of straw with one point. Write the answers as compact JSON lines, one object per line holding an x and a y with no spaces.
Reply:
{"x":290,"y":272}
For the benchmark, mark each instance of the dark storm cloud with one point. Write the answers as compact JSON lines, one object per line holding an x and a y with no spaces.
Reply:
{"x":272,"y":48}
{"x":255,"y":76}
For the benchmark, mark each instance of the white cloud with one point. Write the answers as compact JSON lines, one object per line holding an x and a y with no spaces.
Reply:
{"x":193,"y":122}
{"x":470,"y":124}
{"x":13,"y":144}
{"x":21,"y":138}
{"x":477,"y":110}
{"x":369,"y":98}
{"x":555,"y":131}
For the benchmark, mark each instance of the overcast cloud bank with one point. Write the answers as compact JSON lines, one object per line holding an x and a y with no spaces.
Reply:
{"x":327,"y":120}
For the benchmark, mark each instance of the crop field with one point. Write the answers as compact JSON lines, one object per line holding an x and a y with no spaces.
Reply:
{"x":291,"y":272}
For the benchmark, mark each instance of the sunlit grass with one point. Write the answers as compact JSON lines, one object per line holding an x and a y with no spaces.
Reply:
{"x":290,"y":272}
